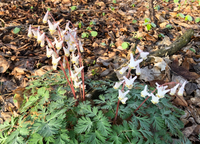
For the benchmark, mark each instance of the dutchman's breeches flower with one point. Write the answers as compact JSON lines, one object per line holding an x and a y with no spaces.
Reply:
{"x":58,"y":43}
{"x":71,"y":46}
{"x":74,"y":59}
{"x":154,"y":99}
{"x":117,"y":84}
{"x":49,"y":52}
{"x":138,"y":70}
{"x":161,"y":93}
{"x":67,"y":27}
{"x":52,"y":27}
{"x":134,"y":63}
{"x":45,"y":17}
{"x":77,"y":84}
{"x":123,"y":70}
{"x":29,"y":32}
{"x":144,"y":93}
{"x":129,"y":82}
{"x":122,"y":96}
{"x":143,"y":55}
{"x":41,"y":37}
{"x":80,"y":46}
{"x":34,"y":33}
{"x":173,"y":90}
{"x":74,"y":75}
{"x":78,"y":70}
{"x":161,"y":90}
{"x":181,"y":89}
{"x":55,"y":60}
{"x":66,"y":51}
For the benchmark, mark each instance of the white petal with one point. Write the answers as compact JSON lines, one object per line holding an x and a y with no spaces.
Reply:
{"x":45,"y":17}
{"x":173,"y":90}
{"x":29,"y":32}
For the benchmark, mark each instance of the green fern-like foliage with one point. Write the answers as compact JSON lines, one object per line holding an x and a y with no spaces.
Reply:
{"x":49,"y":115}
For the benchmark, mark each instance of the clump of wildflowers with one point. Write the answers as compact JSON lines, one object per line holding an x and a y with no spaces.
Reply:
{"x":72,"y":45}
{"x":128,"y":82}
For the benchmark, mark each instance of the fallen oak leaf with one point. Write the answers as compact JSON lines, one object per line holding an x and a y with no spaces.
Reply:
{"x":182,"y":71}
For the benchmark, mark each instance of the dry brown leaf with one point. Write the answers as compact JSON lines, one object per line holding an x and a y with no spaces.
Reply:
{"x":150,"y":38}
{"x":42,"y":70}
{"x":190,"y":88}
{"x":18,"y":97}
{"x":6,"y":115}
{"x":18,"y":71}
{"x":179,"y":100}
{"x":189,"y":130}
{"x":4,"y":64}
{"x":184,"y":72}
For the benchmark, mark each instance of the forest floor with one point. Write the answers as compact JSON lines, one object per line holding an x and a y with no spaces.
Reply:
{"x":118,"y":24}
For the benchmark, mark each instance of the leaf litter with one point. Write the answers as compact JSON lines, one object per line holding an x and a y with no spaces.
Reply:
{"x":108,"y":25}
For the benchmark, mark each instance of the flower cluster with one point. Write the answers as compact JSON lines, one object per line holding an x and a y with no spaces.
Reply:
{"x":161,"y":91}
{"x":63,"y":39}
{"x":134,"y":64}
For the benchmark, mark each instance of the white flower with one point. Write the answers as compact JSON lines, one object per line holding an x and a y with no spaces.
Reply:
{"x":80,"y":46}
{"x":74,"y":59}
{"x":66,"y":51}
{"x":67,"y":38}
{"x":73,"y":33}
{"x":71,"y":46}
{"x":144,"y":93}
{"x":143,"y":55}
{"x":122,"y":96}
{"x":42,"y":43}
{"x":129,"y":82}
{"x":58,"y":43}
{"x":138,"y":70}
{"x":62,"y":34}
{"x":134,"y":63}
{"x":124,"y":100}
{"x":181,"y":89}
{"x":77,"y":84}
{"x":67,"y":26}
{"x":74,"y":76}
{"x":161,"y":65}
{"x":173,"y":90}
{"x":55,"y":66}
{"x":117,"y":84}
{"x":55,"y":60}
{"x":161,"y":90}
{"x":46,"y":17}
{"x":49,"y":52}
{"x":52,"y":27}
{"x":41,"y":37}
{"x":154,"y":99}
{"x":78,"y":70}
{"x":29,"y":32}
{"x":123,"y":70}
{"x":34,"y":33}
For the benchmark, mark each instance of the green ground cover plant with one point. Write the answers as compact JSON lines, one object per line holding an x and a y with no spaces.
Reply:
{"x":56,"y":108}
{"x":49,"y":115}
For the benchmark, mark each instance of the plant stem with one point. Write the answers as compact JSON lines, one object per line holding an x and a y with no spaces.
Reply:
{"x":81,"y":64}
{"x":141,"y":104}
{"x":116,"y":112}
{"x":118,"y":99}
{"x":71,"y":86}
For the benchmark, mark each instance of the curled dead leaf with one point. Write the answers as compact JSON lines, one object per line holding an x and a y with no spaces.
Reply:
{"x":4,"y":64}
{"x":179,"y":100}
